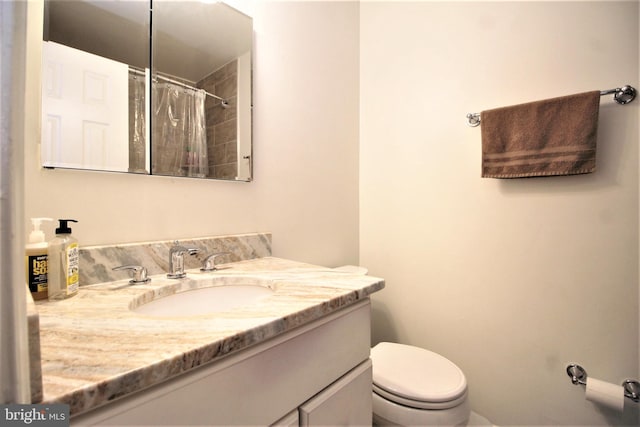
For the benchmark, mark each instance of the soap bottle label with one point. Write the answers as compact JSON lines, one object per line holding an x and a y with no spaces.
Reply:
{"x":73,"y":261}
{"x":37,"y":272}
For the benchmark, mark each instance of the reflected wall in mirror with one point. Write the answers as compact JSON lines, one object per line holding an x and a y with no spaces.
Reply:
{"x":103,"y":110}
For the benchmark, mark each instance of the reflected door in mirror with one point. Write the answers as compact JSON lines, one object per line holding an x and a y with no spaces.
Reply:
{"x":85,"y":110}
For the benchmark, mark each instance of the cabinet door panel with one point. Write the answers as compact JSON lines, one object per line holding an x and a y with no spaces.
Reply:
{"x":346,"y":402}
{"x":289,"y":420}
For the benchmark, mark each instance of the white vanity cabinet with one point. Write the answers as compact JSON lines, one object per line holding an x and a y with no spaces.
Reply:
{"x":316,"y":374}
{"x":347,"y":402}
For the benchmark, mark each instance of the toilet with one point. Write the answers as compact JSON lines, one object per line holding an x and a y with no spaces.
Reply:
{"x":417,"y":387}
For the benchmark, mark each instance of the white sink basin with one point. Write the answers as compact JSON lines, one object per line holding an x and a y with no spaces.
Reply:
{"x":205,"y":300}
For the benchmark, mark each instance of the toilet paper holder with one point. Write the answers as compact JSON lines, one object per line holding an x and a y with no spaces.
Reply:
{"x":579,"y":377}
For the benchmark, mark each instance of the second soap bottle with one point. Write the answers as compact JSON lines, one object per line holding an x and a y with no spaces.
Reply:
{"x":63,"y":263}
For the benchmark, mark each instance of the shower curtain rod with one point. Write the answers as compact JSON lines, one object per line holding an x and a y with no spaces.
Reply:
{"x":224,"y":102}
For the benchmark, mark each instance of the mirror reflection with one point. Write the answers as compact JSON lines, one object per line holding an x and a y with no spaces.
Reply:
{"x":104,"y":110}
{"x":92,"y":106}
{"x":201,"y":92}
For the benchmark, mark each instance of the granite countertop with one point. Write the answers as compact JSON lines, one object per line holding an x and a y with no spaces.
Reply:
{"x":95,"y":349}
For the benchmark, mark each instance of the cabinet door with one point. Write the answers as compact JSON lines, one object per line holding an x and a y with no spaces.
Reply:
{"x":289,"y":420}
{"x":346,"y":402}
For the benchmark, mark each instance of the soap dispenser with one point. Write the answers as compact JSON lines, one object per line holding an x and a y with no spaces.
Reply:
{"x":36,"y":260}
{"x":63,"y":263}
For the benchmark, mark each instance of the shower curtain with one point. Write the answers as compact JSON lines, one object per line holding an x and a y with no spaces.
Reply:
{"x":137,"y":142}
{"x":179,"y":142}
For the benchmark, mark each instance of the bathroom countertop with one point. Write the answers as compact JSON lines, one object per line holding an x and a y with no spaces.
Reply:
{"x":95,"y":349}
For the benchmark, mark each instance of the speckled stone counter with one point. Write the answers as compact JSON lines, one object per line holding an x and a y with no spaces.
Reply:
{"x":96,"y":262}
{"x":95,"y":349}
{"x":35,"y":370}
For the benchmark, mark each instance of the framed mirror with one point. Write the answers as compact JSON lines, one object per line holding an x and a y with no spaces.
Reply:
{"x":89,"y":116}
{"x":152,"y":87}
{"x":201,"y":93}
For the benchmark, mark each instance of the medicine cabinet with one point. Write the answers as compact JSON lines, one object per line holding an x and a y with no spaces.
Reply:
{"x":147,"y":87}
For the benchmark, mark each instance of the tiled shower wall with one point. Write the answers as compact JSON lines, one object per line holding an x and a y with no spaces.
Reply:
{"x":222,"y":135}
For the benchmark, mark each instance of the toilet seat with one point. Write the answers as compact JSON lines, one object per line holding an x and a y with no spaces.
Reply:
{"x":417,"y":378}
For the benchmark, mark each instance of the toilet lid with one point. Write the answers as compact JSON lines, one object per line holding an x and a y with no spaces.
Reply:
{"x":417,"y":375}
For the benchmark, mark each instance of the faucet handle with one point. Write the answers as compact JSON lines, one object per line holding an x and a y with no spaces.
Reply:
{"x":210,"y":262}
{"x":138,"y":273}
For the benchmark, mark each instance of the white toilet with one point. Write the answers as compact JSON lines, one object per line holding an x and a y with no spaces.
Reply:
{"x":417,"y":387}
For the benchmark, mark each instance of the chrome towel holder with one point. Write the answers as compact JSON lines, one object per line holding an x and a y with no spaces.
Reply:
{"x":622,"y":95}
{"x":579,"y":377}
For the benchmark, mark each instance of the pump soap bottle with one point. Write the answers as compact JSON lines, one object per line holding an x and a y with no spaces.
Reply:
{"x":63,"y":263}
{"x":36,"y":260}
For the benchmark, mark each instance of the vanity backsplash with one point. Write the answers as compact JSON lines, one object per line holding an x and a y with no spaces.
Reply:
{"x":97,"y":262}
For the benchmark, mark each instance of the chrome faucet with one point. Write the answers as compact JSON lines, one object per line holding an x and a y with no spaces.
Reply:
{"x":176,"y":259}
{"x":138,"y":273}
{"x":210,"y":262}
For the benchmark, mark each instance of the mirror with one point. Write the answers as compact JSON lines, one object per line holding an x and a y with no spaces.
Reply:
{"x":89,"y":115}
{"x":201,"y":64}
{"x":106,"y":106}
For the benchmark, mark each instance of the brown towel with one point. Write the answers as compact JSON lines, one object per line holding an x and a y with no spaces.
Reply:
{"x":543,"y":138}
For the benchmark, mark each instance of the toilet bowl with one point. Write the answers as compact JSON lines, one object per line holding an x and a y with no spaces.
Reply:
{"x":417,"y":387}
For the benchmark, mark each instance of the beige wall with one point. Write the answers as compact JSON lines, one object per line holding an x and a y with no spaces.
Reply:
{"x":510,"y":279}
{"x":305,"y":150}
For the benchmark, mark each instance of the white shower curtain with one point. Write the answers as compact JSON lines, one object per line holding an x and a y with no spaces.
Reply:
{"x":179,"y":142}
{"x":137,"y":139}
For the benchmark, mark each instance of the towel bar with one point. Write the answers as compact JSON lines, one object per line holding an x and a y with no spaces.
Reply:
{"x":622,"y":95}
